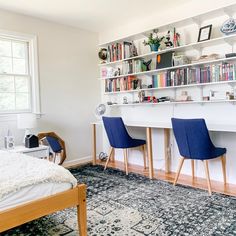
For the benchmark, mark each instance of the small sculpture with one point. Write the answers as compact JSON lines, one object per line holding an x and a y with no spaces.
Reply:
{"x":176,"y":39}
{"x":141,"y":95}
{"x":136,"y":84}
{"x":133,"y":50}
{"x":125,"y":100}
{"x":168,"y":43}
{"x":147,"y":65}
{"x":117,"y":72}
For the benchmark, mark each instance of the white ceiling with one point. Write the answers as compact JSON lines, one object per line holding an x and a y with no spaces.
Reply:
{"x":94,"y":15}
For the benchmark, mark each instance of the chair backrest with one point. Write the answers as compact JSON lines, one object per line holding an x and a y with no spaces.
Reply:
{"x":43,"y":136}
{"x":54,"y":144}
{"x":116,"y":132}
{"x":192,"y":138}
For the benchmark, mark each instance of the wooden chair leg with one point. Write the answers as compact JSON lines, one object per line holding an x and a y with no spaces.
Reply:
{"x":54,"y":157}
{"x":179,"y":169}
{"x":192,"y":164}
{"x":113,"y":156}
{"x":223,"y":161}
{"x":82,"y":211}
{"x":126,"y":161}
{"x":207,"y":176}
{"x":108,"y":158}
{"x":144,"y":156}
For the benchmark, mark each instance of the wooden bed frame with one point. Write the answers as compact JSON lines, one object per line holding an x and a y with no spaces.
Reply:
{"x":44,"y":206}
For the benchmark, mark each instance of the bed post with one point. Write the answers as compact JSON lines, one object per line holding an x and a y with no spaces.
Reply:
{"x":81,"y":210}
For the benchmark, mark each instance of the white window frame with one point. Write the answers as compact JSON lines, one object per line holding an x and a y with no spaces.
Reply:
{"x":33,"y":68}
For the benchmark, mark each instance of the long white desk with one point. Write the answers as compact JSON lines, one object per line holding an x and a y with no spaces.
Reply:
{"x":159,"y":125}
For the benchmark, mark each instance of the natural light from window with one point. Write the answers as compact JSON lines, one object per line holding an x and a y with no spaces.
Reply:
{"x":15,"y":85}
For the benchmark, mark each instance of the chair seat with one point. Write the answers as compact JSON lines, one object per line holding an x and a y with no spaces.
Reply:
{"x":131,"y":143}
{"x":216,"y":152}
{"x":136,"y":143}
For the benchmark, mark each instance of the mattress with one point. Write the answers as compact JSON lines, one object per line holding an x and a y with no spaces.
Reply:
{"x":24,"y":179}
{"x":32,"y":193}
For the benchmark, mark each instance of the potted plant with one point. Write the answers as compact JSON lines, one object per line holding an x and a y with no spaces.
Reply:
{"x":153,"y":41}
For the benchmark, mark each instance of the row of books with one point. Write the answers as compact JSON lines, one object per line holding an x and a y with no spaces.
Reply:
{"x":132,"y":66}
{"x":128,"y":67}
{"x":119,"y":51}
{"x":115,"y":52}
{"x":122,"y":84}
{"x":206,"y":74}
{"x":185,"y":76}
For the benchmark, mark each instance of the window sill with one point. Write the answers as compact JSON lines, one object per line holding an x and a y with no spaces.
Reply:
{"x":6,"y":117}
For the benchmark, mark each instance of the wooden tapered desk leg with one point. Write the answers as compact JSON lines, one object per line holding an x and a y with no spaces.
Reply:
{"x":149,"y":149}
{"x":167,"y":149}
{"x":94,"y":143}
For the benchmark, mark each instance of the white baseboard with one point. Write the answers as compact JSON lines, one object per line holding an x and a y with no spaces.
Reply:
{"x":79,"y":161}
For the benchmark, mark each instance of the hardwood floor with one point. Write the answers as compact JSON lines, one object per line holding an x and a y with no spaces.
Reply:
{"x":201,"y":183}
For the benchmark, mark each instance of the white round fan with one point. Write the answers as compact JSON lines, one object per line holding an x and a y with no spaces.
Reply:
{"x":100,"y":110}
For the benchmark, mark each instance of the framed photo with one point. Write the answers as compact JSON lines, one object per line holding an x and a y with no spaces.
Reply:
{"x":204,"y":33}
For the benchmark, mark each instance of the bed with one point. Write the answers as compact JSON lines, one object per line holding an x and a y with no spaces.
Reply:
{"x":31,"y":188}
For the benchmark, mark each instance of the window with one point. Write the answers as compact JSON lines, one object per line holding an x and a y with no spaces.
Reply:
{"x":18,"y":77}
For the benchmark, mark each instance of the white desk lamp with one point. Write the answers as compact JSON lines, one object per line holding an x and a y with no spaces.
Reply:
{"x":26,"y":121}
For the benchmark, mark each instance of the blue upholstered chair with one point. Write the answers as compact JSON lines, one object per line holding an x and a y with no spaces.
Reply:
{"x":119,"y":138}
{"x":55,"y":146}
{"x":194,"y":143}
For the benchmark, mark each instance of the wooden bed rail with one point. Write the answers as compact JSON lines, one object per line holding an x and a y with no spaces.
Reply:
{"x":44,"y":206}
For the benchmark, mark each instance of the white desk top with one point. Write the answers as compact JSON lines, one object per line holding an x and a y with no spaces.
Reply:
{"x":167,"y":125}
{"x":25,"y":150}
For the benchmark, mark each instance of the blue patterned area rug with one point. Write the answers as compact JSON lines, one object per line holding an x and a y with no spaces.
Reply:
{"x":133,"y":205}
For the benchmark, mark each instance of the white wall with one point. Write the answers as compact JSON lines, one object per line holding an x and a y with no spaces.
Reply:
{"x":68,"y":88}
{"x":171,"y":14}
{"x":216,"y":113}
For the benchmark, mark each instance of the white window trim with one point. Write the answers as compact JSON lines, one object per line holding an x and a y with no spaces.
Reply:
{"x":33,"y":68}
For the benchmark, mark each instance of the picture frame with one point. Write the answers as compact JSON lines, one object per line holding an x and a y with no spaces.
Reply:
{"x":204,"y":33}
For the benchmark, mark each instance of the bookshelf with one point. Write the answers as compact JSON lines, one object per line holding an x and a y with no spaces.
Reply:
{"x":227,"y":66}
{"x":230,"y":39}
{"x":151,"y":72}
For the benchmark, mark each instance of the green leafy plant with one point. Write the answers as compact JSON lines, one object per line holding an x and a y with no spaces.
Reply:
{"x":153,"y":39}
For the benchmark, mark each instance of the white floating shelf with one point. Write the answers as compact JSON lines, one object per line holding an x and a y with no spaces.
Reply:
{"x":152,"y":72}
{"x":173,"y":103}
{"x":197,"y":19}
{"x":172,"y":87}
{"x":196,"y":46}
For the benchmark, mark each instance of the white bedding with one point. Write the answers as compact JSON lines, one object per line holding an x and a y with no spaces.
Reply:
{"x":32,"y":193}
{"x":19,"y":171}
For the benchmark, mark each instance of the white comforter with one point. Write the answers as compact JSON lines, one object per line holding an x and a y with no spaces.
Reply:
{"x":18,"y":171}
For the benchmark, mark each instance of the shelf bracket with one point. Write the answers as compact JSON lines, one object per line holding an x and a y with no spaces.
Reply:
{"x":229,"y":42}
{"x":175,"y":94}
{"x":228,"y":12}
{"x":197,"y":48}
{"x":201,"y":92}
{"x":196,"y":21}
